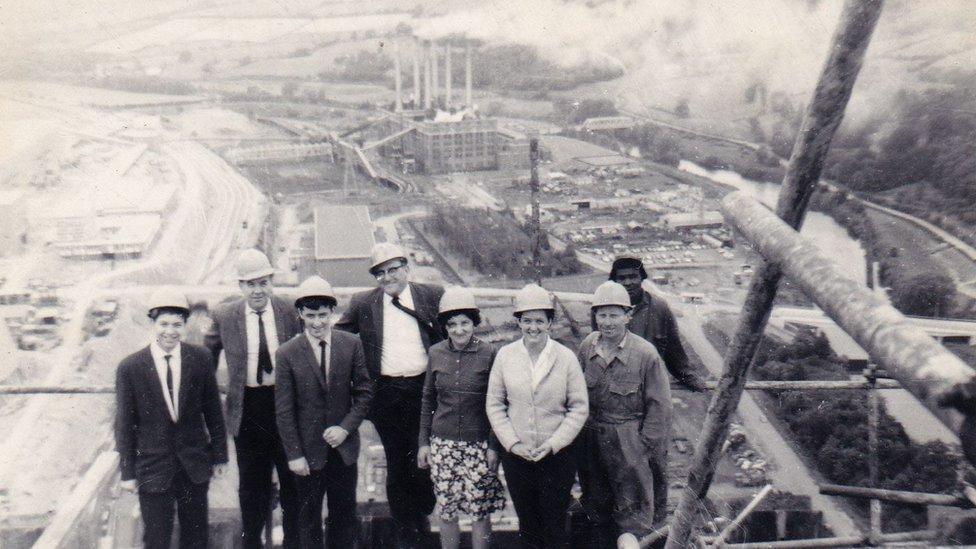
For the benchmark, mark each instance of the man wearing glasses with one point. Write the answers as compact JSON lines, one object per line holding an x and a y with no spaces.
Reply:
{"x":397,"y":324}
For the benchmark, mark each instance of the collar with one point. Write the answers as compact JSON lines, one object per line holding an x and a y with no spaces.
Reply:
{"x":158,"y":352}
{"x":545,"y":350}
{"x":248,"y":310}
{"x":315,"y":341}
{"x":621,"y":347}
{"x":474,"y":345}
{"x":406,"y":297}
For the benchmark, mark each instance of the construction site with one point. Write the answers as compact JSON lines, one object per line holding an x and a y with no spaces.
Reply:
{"x":112,"y":194}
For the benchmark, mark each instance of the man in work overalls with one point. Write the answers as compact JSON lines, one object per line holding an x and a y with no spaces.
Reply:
{"x":629,"y":422}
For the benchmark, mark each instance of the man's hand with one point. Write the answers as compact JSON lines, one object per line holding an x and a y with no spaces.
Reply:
{"x":299,"y":467}
{"x":335,"y":435}
{"x":542,"y":451}
{"x":492,"y":460}
{"x":423,"y":457}
{"x":522,"y":451}
{"x":128,"y":485}
{"x":219,"y":470}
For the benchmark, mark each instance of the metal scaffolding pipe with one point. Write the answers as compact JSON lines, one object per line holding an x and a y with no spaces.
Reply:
{"x":750,"y":386}
{"x":896,"y":496}
{"x":803,"y":543}
{"x":820,"y":123}
{"x":922,"y":366}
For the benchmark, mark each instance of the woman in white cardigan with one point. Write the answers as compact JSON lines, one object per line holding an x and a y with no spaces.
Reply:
{"x":537,"y":405}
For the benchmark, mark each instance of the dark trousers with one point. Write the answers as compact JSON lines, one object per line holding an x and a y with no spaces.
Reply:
{"x":191,"y":509}
{"x":259,"y":451}
{"x":659,"y":468}
{"x":396,"y":415}
{"x":541,"y":495}
{"x":337,"y":482}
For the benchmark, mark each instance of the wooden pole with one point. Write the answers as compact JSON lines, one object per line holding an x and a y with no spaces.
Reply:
{"x":820,"y":123}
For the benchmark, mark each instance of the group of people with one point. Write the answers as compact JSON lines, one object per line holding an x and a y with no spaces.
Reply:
{"x":448,"y":406}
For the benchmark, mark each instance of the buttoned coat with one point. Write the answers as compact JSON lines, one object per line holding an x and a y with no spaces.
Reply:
{"x":152,"y":447}
{"x":306,"y":403}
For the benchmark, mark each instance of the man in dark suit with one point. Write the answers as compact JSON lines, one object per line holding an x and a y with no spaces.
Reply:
{"x":169,"y":429}
{"x":396,"y":323}
{"x":249,"y":331}
{"x":322,"y":394}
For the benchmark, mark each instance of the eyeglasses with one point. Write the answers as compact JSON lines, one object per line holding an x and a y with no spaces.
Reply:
{"x":380,"y":273}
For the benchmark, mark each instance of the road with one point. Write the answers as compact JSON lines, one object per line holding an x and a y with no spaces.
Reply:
{"x":789,"y":472}
{"x":196,"y":247}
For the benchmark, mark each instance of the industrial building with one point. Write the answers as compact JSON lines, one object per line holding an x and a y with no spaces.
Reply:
{"x":343,"y":240}
{"x":694,"y":220}
{"x":435,"y":135}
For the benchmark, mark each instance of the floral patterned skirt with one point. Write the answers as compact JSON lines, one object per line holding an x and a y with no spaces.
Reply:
{"x":463,"y":482}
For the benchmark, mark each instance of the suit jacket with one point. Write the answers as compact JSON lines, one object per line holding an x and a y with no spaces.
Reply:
{"x":306,"y":405}
{"x":152,"y":447}
{"x":364,"y":316}
{"x":229,"y":333}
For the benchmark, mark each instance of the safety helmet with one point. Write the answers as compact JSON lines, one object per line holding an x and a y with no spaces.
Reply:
{"x":610,"y":293}
{"x":314,"y":286}
{"x":169,"y":298}
{"x":533,"y":297}
{"x":456,"y":298}
{"x":253,"y":264}
{"x":383,"y":252}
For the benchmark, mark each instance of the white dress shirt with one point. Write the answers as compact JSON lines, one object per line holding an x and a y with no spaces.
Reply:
{"x":159,"y":360}
{"x":314,"y":341}
{"x":270,"y":333}
{"x":403,"y":349}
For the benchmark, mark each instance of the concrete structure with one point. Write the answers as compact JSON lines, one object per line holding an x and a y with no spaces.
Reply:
{"x":13,"y":221}
{"x":453,"y":144}
{"x":111,"y":236}
{"x":343,"y":240}
{"x":607,"y":123}
{"x":694,"y":220}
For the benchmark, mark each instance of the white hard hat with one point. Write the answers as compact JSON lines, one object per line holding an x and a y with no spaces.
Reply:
{"x":314,"y":286}
{"x":456,"y":298}
{"x":253,"y":264}
{"x":168,"y":297}
{"x":610,"y":293}
{"x":383,"y":252}
{"x":533,"y":297}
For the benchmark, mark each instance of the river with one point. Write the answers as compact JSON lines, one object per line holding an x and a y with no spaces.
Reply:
{"x":849,"y":256}
{"x":827,"y":234}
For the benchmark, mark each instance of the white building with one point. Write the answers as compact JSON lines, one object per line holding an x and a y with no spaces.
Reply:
{"x":13,"y":221}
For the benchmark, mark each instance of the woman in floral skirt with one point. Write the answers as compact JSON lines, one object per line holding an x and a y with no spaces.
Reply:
{"x":455,"y":437}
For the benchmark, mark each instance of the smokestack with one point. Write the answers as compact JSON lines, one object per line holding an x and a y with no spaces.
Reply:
{"x":397,"y":78}
{"x":447,"y":76}
{"x":427,"y":75}
{"x":416,"y":74}
{"x":434,"y":78}
{"x":468,"y":101}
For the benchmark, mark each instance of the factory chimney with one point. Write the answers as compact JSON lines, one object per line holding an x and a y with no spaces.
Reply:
{"x":434,"y":78}
{"x":447,"y":76}
{"x":397,"y":78}
{"x":427,"y":69}
{"x":416,"y":74}
{"x":468,"y":101}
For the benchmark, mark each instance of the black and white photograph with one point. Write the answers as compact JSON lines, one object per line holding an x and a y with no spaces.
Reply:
{"x":472,"y":274}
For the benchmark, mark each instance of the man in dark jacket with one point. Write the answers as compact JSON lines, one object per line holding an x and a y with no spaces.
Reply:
{"x":322,"y":394}
{"x":169,"y":429}
{"x":396,"y":323}
{"x":249,"y":330}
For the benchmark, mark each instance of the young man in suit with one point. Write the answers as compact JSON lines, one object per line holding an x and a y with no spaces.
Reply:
{"x":249,"y":331}
{"x":397,"y":324}
{"x":169,"y":429}
{"x":322,"y":394}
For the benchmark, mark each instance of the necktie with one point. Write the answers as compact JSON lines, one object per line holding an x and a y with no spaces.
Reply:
{"x":322,"y":363}
{"x":423,"y":323}
{"x":169,"y":380}
{"x":264,"y":356}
